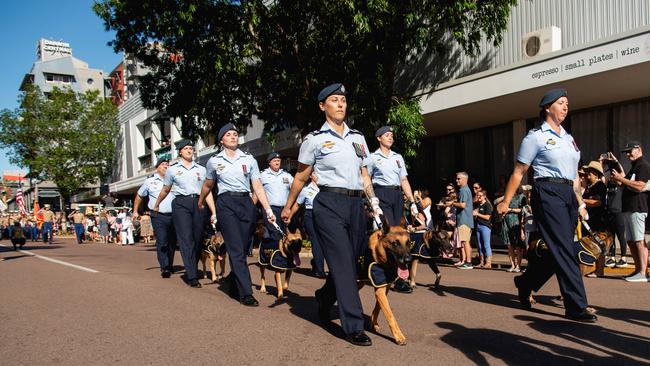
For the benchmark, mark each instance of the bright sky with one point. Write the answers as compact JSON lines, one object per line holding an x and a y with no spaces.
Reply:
{"x":24,"y":22}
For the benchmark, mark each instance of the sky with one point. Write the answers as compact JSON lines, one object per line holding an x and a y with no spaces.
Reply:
{"x":24,"y":22}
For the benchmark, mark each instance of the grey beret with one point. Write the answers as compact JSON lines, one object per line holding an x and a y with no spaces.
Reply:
{"x":161,"y":160}
{"x":227,"y":127}
{"x":334,"y":89}
{"x":272,"y":156}
{"x":180,"y":144}
{"x":551,"y":96}
{"x":383,"y":130}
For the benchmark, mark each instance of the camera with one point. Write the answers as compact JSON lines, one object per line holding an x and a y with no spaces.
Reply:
{"x":610,"y":162}
{"x":604,"y":156}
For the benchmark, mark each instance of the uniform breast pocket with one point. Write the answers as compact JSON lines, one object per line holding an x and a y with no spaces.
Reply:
{"x":329,"y":149}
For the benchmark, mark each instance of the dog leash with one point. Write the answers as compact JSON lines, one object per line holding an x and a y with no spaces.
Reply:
{"x":596,"y":238}
{"x":277,"y":227}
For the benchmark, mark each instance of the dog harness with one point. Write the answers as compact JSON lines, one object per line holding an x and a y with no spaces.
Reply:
{"x":421,"y":249}
{"x":270,"y":255}
{"x":375,"y":274}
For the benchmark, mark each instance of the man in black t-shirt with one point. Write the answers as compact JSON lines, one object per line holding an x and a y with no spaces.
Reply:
{"x":635,"y":208}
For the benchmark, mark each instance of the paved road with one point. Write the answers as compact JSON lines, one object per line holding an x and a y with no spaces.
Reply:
{"x":125,"y":314}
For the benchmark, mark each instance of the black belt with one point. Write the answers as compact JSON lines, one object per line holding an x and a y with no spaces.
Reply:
{"x":236,"y":194}
{"x":555,"y":180}
{"x":344,"y":191}
{"x":163,"y":213}
{"x":395,"y":188}
{"x":194,"y":195}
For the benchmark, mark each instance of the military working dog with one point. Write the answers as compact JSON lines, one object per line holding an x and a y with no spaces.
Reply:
{"x":280,"y":257}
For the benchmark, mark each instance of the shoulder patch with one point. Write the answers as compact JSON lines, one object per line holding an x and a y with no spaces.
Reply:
{"x":316,"y":132}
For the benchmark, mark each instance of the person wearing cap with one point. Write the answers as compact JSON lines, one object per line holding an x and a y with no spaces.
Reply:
{"x":556,"y":203}
{"x":594,"y":196}
{"x":48,"y":223}
{"x":389,"y":178}
{"x":78,"y":220}
{"x":236,"y":174}
{"x":161,"y":220}
{"x":635,"y":208}
{"x":186,"y":176}
{"x":276,"y":183}
{"x":339,"y":156}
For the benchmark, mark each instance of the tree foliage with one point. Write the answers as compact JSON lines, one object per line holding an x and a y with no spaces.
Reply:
{"x":64,"y":137}
{"x":272,"y":57}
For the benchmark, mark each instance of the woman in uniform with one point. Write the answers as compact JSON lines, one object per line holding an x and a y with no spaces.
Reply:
{"x":556,"y":203}
{"x":339,"y":156}
{"x":235,"y":173}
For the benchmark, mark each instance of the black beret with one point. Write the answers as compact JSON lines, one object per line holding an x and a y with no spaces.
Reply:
{"x":631,"y":145}
{"x":272,"y":156}
{"x":551,"y":96}
{"x":161,"y":160}
{"x":227,"y":127}
{"x":383,"y":130}
{"x":334,"y":89}
{"x":180,"y":144}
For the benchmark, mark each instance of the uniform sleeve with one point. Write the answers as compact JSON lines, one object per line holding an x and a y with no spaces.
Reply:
{"x":255,"y":170}
{"x":169,"y":177}
{"x":144,"y":189}
{"x":307,"y":153}
{"x":528,"y":149}
{"x":290,"y":179}
{"x":301,"y":197}
{"x":210,"y":170}
{"x":402,"y":171}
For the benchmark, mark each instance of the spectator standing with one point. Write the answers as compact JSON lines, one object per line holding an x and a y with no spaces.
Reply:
{"x":635,"y":208}
{"x":614,"y":209}
{"x":483,"y":214}
{"x":146,"y":230}
{"x":103,"y":228}
{"x":127,"y":230}
{"x":464,"y":219}
{"x":510,"y":232}
{"x":594,"y":196}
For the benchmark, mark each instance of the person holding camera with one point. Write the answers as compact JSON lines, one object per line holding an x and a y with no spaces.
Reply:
{"x":635,"y":208}
{"x":614,"y":210}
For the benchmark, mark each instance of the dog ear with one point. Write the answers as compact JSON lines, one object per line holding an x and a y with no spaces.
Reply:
{"x":376,"y":247}
{"x":385,"y":227}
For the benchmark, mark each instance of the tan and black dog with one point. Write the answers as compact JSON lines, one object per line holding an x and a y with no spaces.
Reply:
{"x":386,"y":259}
{"x":214,"y":251}
{"x":280,"y":257}
{"x":433,"y":244}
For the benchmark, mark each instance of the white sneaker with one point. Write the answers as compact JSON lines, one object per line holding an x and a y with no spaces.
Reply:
{"x":639,"y":277}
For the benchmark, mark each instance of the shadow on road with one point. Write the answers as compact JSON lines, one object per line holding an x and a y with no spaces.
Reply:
{"x":515,"y":349}
{"x":634,"y":316}
{"x":16,"y":257}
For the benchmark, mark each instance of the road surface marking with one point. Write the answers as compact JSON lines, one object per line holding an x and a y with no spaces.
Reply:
{"x":54,"y":260}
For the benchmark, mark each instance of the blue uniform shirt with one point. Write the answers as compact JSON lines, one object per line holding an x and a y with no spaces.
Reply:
{"x":550,"y":154}
{"x":386,"y":170}
{"x":233,"y":174}
{"x":185,"y":180}
{"x":337,"y":160}
{"x":307,"y":196}
{"x":151,"y":188}
{"x":276,"y":185}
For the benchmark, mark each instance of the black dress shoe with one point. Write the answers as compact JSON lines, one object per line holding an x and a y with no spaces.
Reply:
{"x":165,"y":274}
{"x":359,"y":338}
{"x":323,"y":308}
{"x":583,"y":316}
{"x":523,"y":292}
{"x":249,"y":300}
{"x":195,"y":283}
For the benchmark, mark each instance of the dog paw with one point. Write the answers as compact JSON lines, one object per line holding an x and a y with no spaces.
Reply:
{"x":263,"y":290}
{"x":285,"y":287}
{"x":282,"y":297}
{"x":375,"y":327}
{"x":400,"y":339}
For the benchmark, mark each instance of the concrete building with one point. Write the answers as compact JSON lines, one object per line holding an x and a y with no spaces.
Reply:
{"x":477,"y":110}
{"x":56,"y":67}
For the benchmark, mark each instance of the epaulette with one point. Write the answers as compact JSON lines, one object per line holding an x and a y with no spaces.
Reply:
{"x":176,"y":163}
{"x":151,"y":175}
{"x":356,"y":132}
{"x":316,"y":132}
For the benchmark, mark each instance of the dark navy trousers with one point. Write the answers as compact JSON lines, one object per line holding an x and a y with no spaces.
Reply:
{"x":555,"y":210}
{"x":391,"y":202}
{"x":163,"y":227}
{"x":236,"y":216}
{"x":316,"y":249}
{"x":340,"y":225}
{"x":189,"y":222}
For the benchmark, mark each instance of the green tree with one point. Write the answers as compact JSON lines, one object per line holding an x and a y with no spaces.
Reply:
{"x":64,"y":137}
{"x":272,"y":57}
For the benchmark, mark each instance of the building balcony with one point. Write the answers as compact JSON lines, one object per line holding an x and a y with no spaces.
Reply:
{"x":145,"y":161}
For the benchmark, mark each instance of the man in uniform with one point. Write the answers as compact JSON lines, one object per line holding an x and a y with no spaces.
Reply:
{"x":277,"y":183}
{"x":189,"y":220}
{"x":78,"y":220}
{"x":48,"y":223}
{"x":161,"y":221}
